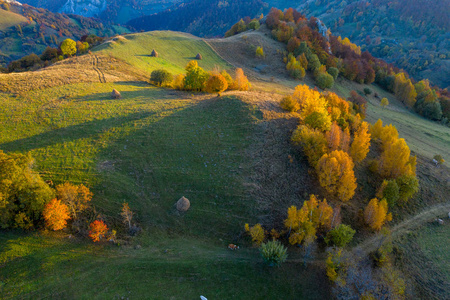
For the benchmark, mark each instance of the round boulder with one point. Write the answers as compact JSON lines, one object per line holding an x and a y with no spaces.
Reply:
{"x":183,"y":204}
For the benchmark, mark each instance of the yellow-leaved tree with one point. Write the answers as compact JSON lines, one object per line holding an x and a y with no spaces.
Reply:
{"x":303,"y":223}
{"x":334,"y":137}
{"x":257,"y":233}
{"x":335,"y":172}
{"x":396,"y":161}
{"x":361,"y":143}
{"x":313,"y":142}
{"x":376,"y":214}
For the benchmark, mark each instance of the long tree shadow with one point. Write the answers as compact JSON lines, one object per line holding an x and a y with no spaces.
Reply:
{"x":71,"y":133}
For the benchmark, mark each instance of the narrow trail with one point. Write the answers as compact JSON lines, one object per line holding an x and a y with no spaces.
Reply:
{"x":101,"y":76}
{"x":416,"y":221}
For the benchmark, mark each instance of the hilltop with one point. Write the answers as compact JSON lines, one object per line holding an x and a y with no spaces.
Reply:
{"x":231,"y":156}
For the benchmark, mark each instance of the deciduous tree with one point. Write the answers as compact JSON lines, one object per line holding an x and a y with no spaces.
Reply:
{"x":335,"y":172}
{"x":361,"y":143}
{"x":76,"y":198}
{"x":216,"y":84}
{"x":68,"y":47}
{"x":98,"y":230}
{"x":376,"y":214}
{"x":56,"y":215}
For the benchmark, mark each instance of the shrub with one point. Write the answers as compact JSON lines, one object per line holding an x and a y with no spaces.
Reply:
{"x":49,"y":54}
{"x":216,"y":84}
{"x":241,"y":82}
{"x":298,"y":73}
{"x":56,"y":215}
{"x":408,"y":185}
{"x":367,"y":91}
{"x":273,"y":253}
{"x":257,"y":233}
{"x":98,"y":230}
{"x":290,"y":104}
{"x":178,"y":82}
{"x":254,"y":24}
{"x":340,"y":236}
{"x":195,"y":78}
{"x":324,"y":80}
{"x":333,"y":72}
{"x":390,"y":191}
{"x":161,"y":77}
{"x":260,"y":52}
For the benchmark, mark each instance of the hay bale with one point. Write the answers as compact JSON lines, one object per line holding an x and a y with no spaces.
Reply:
{"x":183,"y":204}
{"x":198,"y":56}
{"x":154,"y":53}
{"x":115,"y":94}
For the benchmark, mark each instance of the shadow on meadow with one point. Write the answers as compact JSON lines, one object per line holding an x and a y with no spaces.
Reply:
{"x":71,"y":133}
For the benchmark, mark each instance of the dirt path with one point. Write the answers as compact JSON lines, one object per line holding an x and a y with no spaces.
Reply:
{"x":414,"y":222}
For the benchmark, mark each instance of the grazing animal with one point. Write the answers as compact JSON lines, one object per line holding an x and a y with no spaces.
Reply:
{"x":233,"y":247}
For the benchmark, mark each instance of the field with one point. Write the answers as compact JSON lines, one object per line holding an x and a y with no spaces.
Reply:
{"x":228,"y":155}
{"x":9,"y":19}
{"x":175,"y":50}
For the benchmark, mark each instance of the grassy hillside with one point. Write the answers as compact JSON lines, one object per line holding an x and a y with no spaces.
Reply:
{"x":9,"y":19}
{"x":175,"y":50}
{"x":229,"y":155}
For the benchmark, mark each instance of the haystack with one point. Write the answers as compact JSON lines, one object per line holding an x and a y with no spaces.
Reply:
{"x":183,"y":204}
{"x":154,"y":53}
{"x":115,"y":94}
{"x":198,"y":56}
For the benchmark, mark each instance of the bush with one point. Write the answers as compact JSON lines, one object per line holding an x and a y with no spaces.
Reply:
{"x":367,"y":91}
{"x":408,"y":185}
{"x":333,"y":72}
{"x":290,"y":104}
{"x":161,"y":77}
{"x":324,"y":80}
{"x":98,"y":230}
{"x":273,"y":253}
{"x":253,"y":25}
{"x":257,"y":233}
{"x":317,"y":120}
{"x":298,"y":73}
{"x":260,"y":52}
{"x":390,"y":191}
{"x":56,"y":215}
{"x":340,"y":236}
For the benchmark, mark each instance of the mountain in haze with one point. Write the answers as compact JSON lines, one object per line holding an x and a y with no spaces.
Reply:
{"x":114,"y":11}
{"x":412,"y":34}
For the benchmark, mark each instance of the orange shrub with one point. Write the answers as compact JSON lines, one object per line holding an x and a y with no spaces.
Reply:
{"x":98,"y":230}
{"x":56,"y":215}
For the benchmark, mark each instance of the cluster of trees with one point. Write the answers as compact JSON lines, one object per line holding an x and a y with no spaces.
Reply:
{"x":313,"y":48}
{"x":28,"y":202}
{"x":197,"y":79}
{"x":334,"y":138}
{"x":244,"y":25}
{"x":50,"y":55}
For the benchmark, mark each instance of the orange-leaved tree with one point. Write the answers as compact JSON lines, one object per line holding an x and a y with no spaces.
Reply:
{"x":76,"y":198}
{"x":56,"y":215}
{"x":241,"y":82}
{"x":335,"y":172}
{"x":98,"y":230}
{"x":361,"y":143}
{"x":376,"y":214}
{"x":334,"y":137}
{"x":216,"y":83}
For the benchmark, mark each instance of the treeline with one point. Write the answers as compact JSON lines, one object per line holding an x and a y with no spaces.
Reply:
{"x":413,"y":34}
{"x":312,"y":47}
{"x":198,"y":80}
{"x":51,"y":55}
{"x":28,"y":202}
{"x":200,"y":17}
